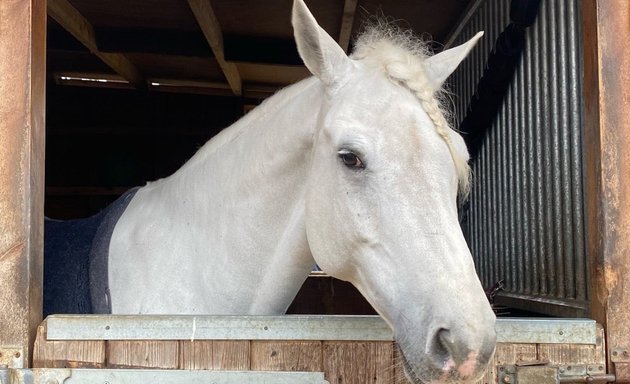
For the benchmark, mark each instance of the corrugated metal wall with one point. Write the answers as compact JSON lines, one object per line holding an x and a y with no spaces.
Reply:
{"x":524,"y":221}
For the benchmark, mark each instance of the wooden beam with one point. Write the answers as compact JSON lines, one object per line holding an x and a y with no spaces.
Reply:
{"x":347,"y":21}
{"x":22,"y":109}
{"x":71,"y":19}
{"x":606,"y":47}
{"x":202,"y":9}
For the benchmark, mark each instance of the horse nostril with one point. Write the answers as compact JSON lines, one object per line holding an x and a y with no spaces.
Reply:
{"x":445,"y":343}
{"x":447,"y":351}
{"x":445,"y":336}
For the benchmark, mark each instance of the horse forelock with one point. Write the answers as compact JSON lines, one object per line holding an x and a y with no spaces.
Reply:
{"x":401,"y":56}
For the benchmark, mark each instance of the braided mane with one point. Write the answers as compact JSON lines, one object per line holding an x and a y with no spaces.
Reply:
{"x":402,"y":56}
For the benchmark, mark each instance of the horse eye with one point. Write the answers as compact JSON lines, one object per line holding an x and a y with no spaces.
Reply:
{"x":351,"y":160}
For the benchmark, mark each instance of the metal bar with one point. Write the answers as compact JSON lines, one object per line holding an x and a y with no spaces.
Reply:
{"x":526,"y":219}
{"x":541,"y":330}
{"x":538,"y":167}
{"x":545,"y":304}
{"x":373,"y":328}
{"x":607,"y":378}
{"x":576,"y":120}
{"x":134,"y":376}
{"x":69,"y":327}
{"x":530,"y":175}
{"x":568,"y":207}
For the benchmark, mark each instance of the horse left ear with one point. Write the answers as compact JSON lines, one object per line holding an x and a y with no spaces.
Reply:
{"x":439,"y":67}
{"x":320,"y":52}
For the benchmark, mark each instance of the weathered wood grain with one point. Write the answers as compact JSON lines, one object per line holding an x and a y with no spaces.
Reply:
{"x":303,"y":356}
{"x":67,"y":354}
{"x":231,"y":355}
{"x":358,"y":362}
{"x":22,"y":133}
{"x":162,"y":354}
{"x":196,"y":354}
{"x":214,"y":355}
{"x":509,"y":354}
{"x":606,"y":96}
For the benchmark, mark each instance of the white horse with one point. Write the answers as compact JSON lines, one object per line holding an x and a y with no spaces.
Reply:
{"x":354,"y":169}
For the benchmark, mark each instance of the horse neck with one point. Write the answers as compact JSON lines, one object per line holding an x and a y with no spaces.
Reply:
{"x":248,"y":160}
{"x":247,"y":187}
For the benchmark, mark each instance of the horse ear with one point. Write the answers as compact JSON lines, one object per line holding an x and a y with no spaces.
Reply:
{"x":439,"y":67}
{"x":320,"y":52}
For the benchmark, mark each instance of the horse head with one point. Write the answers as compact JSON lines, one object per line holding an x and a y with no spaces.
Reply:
{"x":381,"y":207}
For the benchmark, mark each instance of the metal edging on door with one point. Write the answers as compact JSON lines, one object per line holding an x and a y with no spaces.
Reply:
{"x":359,"y":328}
{"x":155,"y":376}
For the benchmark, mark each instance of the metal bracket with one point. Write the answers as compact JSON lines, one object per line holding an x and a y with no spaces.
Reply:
{"x":11,"y":357}
{"x":535,"y":373}
{"x":507,"y":374}
{"x":582,"y":373}
{"x":544,"y":373}
{"x":620,"y":357}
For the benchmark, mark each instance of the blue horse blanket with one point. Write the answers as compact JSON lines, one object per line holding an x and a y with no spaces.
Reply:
{"x":75,"y":261}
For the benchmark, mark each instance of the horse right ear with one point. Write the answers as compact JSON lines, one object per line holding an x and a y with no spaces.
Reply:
{"x":440,"y":66}
{"x":320,"y":52}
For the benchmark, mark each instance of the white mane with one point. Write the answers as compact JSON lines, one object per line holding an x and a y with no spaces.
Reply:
{"x":401,"y":55}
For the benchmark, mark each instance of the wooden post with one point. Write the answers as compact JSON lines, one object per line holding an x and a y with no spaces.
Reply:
{"x":606,"y":26}
{"x":22,"y":94}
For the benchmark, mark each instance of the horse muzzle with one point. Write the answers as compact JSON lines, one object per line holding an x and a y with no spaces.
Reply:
{"x":451,"y":356}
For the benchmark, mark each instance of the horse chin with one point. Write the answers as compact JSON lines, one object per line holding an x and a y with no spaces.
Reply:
{"x":425,"y":373}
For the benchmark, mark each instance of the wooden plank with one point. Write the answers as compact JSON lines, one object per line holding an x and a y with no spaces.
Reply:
{"x":196,"y":354}
{"x":22,"y":110}
{"x":511,"y":353}
{"x":207,"y":20}
{"x":606,"y":47}
{"x":358,"y":362}
{"x":303,"y":356}
{"x":508,"y":354}
{"x":593,"y":192}
{"x":162,"y":354}
{"x":78,"y":26}
{"x":347,"y":21}
{"x":399,"y":371}
{"x":215,"y":355}
{"x":231,"y":355}
{"x":67,"y":354}
{"x":490,"y":376}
